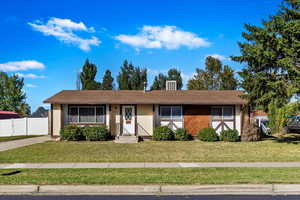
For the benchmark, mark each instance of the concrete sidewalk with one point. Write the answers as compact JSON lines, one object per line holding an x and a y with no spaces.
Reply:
{"x":267,"y":189}
{"x":146,"y":165}
{"x":4,"y":146}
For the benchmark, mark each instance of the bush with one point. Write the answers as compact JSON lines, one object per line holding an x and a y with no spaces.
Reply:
{"x":96,"y":133}
{"x":229,"y":135}
{"x":71,"y":133}
{"x":182,"y":135}
{"x":163,"y":133}
{"x":208,"y":135}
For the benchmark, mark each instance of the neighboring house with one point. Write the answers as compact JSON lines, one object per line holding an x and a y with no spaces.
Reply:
{"x":259,"y":115}
{"x":9,"y":115}
{"x":40,"y":113}
{"x":138,"y":112}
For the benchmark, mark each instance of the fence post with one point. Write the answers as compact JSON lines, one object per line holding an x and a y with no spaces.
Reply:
{"x":26,"y":125}
{"x":12,"y":127}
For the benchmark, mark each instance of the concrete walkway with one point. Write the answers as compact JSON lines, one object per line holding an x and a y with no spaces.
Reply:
{"x":268,"y":189}
{"x":145,"y":165}
{"x":4,"y":146}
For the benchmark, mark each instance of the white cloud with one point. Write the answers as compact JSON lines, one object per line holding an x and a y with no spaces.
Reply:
{"x":169,"y":37}
{"x":30,"y":75}
{"x":21,"y":65}
{"x":218,"y":56}
{"x":63,"y":30}
{"x":30,"y":85}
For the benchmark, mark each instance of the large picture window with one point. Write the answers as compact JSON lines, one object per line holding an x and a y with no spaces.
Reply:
{"x":222,"y":113}
{"x":170,"y":112}
{"x":87,"y":114}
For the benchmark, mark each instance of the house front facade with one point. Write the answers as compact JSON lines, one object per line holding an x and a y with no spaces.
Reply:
{"x":138,"y":112}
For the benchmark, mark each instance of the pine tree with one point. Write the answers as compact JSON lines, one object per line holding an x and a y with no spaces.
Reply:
{"x":124,"y":76}
{"x":87,"y":76}
{"x":159,"y":82}
{"x":108,"y":81}
{"x":228,"y":81}
{"x":272,"y":55}
{"x":175,"y":75}
{"x":213,"y":77}
{"x":131,"y":78}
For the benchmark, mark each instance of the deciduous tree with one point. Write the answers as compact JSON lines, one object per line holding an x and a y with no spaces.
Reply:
{"x":12,"y":95}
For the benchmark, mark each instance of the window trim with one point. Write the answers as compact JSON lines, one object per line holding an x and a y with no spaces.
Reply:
{"x":171,"y":118}
{"x":87,"y":106}
{"x":222,"y":115}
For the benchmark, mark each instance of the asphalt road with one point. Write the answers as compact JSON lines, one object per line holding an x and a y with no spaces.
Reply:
{"x":202,"y":197}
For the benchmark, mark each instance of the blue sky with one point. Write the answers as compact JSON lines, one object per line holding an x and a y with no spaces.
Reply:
{"x":47,"y":42}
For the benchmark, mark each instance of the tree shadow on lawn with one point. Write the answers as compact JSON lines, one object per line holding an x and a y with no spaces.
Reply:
{"x":289,"y":138}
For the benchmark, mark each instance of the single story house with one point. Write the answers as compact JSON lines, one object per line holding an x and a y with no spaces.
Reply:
{"x":138,"y":112}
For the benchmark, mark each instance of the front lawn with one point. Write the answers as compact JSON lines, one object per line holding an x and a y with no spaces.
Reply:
{"x":152,"y":176}
{"x":10,"y":138}
{"x":152,"y":151}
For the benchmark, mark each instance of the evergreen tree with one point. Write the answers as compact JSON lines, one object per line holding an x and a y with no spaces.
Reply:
{"x":228,"y":82}
{"x":87,"y":76}
{"x":272,"y":55}
{"x":125,"y":76}
{"x":108,"y":81}
{"x":213,"y":77}
{"x":131,"y":78}
{"x":13,"y":98}
{"x":175,"y":75}
{"x":159,"y":82}
{"x":198,"y":81}
{"x":78,"y":81}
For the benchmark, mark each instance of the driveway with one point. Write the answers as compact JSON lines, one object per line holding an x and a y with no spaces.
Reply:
{"x":4,"y":146}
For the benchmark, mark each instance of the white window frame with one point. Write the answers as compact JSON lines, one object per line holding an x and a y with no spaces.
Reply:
{"x":222,"y":114}
{"x":162,"y":118}
{"x":95,"y":115}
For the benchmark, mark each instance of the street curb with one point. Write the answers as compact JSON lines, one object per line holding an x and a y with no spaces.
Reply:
{"x":241,"y":189}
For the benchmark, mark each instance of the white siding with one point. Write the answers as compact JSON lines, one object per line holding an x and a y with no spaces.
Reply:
{"x":238,"y":118}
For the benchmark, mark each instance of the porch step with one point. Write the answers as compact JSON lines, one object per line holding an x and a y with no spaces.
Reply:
{"x":126,"y":139}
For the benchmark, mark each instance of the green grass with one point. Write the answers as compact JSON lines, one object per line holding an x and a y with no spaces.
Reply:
{"x":10,"y":138}
{"x":152,"y":176}
{"x":150,"y":151}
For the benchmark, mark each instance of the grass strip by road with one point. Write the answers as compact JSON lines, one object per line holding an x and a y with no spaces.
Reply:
{"x":155,"y":151}
{"x":152,"y":176}
{"x":10,"y":138}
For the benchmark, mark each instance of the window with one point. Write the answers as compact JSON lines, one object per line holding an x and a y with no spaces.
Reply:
{"x":171,"y":112}
{"x":222,"y":113}
{"x":86,"y":114}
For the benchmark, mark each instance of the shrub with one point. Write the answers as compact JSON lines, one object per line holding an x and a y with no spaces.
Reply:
{"x":71,"y":133}
{"x":163,"y":133}
{"x":182,"y":134}
{"x":229,"y":135}
{"x":96,"y":133}
{"x":278,"y":115}
{"x":208,"y":135}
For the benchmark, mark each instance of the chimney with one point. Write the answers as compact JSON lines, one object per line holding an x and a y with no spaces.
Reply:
{"x":171,"y":85}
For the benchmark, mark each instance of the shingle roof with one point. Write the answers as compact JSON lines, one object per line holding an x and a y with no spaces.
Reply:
{"x":200,"y":97}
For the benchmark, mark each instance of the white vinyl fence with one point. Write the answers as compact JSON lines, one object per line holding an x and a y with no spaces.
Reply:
{"x":23,"y":126}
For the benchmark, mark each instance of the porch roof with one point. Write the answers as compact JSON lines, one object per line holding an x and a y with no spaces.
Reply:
{"x":199,"y":97}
